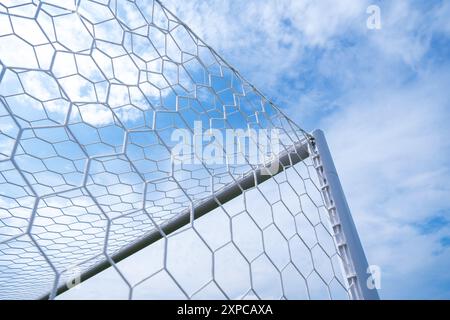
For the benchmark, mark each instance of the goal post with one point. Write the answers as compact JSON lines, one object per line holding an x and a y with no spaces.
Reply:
{"x":287,"y":159}
{"x":355,"y":265}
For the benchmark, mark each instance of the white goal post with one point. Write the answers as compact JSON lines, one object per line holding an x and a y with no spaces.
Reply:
{"x":354,"y":262}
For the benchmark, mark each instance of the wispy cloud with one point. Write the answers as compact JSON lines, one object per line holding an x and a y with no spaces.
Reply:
{"x":380,"y":95}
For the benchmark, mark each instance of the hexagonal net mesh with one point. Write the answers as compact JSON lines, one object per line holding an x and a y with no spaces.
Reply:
{"x":91,"y":93}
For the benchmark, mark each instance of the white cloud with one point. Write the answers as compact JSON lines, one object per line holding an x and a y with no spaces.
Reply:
{"x":71,"y":32}
{"x":265,"y":40}
{"x":382,"y":101}
{"x":125,"y":70}
{"x":391,"y":149}
{"x":40,"y":85}
{"x":321,"y":21}
{"x":385,"y":110}
{"x":400,"y":37}
{"x":28,"y":30}
{"x":96,"y":115}
{"x":15,"y":52}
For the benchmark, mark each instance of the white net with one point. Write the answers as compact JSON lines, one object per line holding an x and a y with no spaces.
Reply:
{"x":91,"y":93}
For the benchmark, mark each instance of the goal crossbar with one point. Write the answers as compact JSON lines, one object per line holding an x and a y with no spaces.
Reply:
{"x":286,"y":159}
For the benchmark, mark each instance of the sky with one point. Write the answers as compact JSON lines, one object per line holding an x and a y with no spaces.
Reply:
{"x":381,"y":96}
{"x":90,"y":95}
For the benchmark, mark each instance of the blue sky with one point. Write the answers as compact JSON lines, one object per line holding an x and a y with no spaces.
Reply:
{"x":382,"y":98}
{"x":87,"y":107}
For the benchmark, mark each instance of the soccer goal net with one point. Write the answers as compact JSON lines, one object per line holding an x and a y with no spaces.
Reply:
{"x":136,"y":163}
